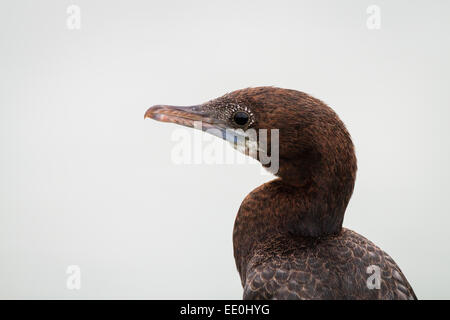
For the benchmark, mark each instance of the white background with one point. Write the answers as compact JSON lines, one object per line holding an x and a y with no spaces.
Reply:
{"x":86,"y":181}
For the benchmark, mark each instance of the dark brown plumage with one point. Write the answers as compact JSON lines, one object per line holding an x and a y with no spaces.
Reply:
{"x":288,"y":237}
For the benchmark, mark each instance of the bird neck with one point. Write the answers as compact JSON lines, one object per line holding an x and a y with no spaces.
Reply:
{"x":313,"y":208}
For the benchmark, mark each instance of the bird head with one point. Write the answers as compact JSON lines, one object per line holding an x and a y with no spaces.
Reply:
{"x":302,"y":133}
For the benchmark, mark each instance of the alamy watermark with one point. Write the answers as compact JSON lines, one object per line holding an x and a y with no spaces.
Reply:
{"x":73,"y":21}
{"x":194,"y":147}
{"x":374,"y":280}
{"x":73,"y":281}
{"x":373,"y":21}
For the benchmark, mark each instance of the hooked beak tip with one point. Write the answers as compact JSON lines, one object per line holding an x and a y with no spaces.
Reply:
{"x":151,"y":112}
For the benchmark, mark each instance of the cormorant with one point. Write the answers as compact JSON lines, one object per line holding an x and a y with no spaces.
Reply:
{"x":288,"y":238}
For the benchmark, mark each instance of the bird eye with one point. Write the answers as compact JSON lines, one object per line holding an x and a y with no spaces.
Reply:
{"x":241,"y":118}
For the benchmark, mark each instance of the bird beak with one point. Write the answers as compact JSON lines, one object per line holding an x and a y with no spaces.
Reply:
{"x":198,"y":118}
{"x":193,"y":117}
